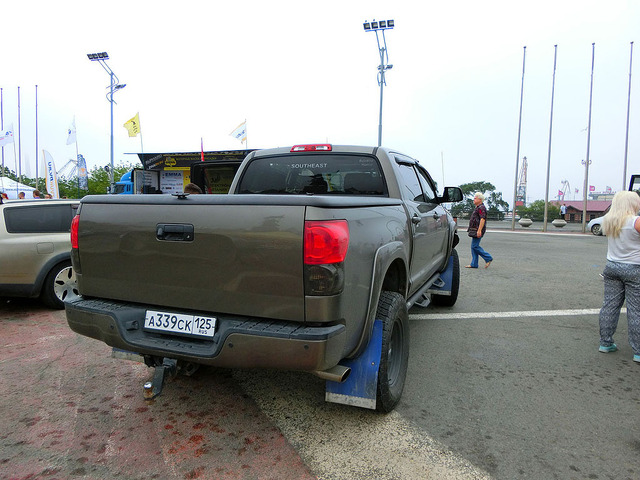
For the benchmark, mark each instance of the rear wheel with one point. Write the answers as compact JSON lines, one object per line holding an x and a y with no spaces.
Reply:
{"x":60,"y":285}
{"x":394,"y":359}
{"x":450,"y":300}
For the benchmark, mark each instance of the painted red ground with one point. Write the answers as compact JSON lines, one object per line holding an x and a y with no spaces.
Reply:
{"x":68,"y":410}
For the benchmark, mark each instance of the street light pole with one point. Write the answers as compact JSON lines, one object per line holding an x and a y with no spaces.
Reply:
{"x":381,"y":26}
{"x":111,"y":137}
{"x":114,"y":86}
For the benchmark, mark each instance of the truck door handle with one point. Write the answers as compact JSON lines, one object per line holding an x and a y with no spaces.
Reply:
{"x":416,"y":219}
{"x":436,"y":216}
{"x":175,"y":232}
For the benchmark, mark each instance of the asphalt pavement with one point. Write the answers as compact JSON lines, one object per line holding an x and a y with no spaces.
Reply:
{"x":511,"y":379}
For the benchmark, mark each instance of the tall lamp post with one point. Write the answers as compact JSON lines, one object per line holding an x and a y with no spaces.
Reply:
{"x":113,"y":87}
{"x":381,"y":26}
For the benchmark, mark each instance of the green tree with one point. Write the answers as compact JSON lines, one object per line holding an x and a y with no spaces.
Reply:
{"x":98,"y":181}
{"x":99,"y":177}
{"x":535,"y":211}
{"x":496,"y":206}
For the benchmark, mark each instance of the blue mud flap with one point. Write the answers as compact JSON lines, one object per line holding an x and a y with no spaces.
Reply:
{"x":443,"y":285}
{"x":360,"y":387}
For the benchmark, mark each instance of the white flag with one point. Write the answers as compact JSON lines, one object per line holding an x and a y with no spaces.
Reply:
{"x":6,"y":136}
{"x":51,"y":175}
{"x":72,"y":132}
{"x":240,"y":132}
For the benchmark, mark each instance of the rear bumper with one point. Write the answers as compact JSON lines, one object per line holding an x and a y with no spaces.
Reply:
{"x":239,"y":342}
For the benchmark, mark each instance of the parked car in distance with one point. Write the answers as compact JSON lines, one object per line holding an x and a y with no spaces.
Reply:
{"x":35,"y":250}
{"x":595,"y":226}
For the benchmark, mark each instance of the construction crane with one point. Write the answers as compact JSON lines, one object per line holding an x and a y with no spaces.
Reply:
{"x":521,"y":195}
{"x":566,"y":188}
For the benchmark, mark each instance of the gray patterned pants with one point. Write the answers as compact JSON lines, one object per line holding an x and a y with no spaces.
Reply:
{"x":621,"y":281}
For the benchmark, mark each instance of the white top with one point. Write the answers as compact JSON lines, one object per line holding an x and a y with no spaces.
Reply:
{"x":626,"y":247}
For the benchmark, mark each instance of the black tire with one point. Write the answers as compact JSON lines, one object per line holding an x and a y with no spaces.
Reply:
{"x":60,"y":285}
{"x":450,"y":300}
{"x":596,"y":229}
{"x":394,"y":359}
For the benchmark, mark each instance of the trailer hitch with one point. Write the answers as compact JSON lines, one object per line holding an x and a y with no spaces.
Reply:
{"x":154,"y":388}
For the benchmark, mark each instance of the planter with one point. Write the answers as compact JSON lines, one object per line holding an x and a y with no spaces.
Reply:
{"x":525,"y":222}
{"x":559,"y":223}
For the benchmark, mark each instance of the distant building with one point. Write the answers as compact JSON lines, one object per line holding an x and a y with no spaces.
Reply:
{"x":595,"y":208}
{"x":601,"y":196}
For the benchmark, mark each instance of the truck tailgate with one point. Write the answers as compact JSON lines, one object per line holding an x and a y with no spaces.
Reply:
{"x":245,"y":261}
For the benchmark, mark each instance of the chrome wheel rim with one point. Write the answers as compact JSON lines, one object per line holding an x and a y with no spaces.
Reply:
{"x":65,"y":285}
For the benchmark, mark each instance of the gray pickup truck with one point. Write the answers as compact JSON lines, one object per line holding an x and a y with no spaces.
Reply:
{"x":312,"y":247}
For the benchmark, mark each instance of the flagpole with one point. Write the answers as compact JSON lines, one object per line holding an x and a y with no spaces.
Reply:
{"x":36,"y":137}
{"x":77,"y":158}
{"x":19,"y":141}
{"x":553,"y":89}
{"x":15,"y":164}
{"x":587,"y":161}
{"x":515,"y":183}
{"x":626,"y":141}
{"x":140,"y":128}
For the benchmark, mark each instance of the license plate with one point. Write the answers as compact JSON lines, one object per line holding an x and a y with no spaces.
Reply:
{"x":179,"y":323}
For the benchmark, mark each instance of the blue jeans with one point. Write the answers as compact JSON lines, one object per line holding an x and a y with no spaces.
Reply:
{"x":476,"y":251}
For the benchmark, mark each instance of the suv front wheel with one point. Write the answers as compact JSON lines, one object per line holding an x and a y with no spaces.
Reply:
{"x":60,"y":285}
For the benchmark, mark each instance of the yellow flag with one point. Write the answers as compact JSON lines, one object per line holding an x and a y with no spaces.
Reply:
{"x":133,"y":126}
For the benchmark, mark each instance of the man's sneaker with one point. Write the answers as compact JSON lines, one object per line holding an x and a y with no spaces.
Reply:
{"x":611,"y":348}
{"x":636,"y":358}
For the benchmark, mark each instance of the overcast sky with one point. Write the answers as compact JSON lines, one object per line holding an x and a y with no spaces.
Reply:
{"x":303,"y":72}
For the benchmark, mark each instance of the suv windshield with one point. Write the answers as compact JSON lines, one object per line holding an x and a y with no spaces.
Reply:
{"x":317,"y":174}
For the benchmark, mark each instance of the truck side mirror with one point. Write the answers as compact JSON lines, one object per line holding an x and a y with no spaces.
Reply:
{"x":452,"y":194}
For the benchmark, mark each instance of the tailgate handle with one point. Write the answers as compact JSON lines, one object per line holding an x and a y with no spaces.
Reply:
{"x":175,"y":232}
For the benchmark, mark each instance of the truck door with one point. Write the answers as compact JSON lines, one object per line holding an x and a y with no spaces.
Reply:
{"x":437,"y":213}
{"x":423,"y":220}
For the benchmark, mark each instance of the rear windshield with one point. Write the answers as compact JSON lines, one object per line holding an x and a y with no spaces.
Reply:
{"x":323,"y":174}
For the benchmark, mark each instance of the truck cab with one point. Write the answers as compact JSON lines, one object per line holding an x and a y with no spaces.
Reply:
{"x":125,"y":185}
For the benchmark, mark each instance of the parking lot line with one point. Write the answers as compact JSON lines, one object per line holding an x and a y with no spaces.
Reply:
{"x":530,"y":313}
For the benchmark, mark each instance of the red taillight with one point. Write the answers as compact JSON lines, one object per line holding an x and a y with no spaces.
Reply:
{"x":74,"y":231}
{"x":324,"y":147}
{"x":325,"y":242}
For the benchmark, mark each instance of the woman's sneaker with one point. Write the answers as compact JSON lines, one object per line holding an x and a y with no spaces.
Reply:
{"x":636,"y":358}
{"x":612,"y":348}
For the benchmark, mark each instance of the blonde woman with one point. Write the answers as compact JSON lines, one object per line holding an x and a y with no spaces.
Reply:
{"x":622,"y":271}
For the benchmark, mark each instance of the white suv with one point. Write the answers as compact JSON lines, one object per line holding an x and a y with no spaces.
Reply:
{"x":35,"y":246}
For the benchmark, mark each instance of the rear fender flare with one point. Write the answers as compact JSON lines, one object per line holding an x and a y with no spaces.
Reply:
{"x":385,"y":256}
